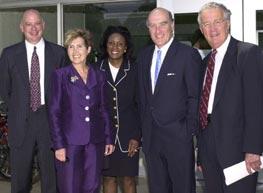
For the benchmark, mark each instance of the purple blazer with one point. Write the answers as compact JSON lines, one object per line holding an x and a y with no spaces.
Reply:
{"x":78,"y":112}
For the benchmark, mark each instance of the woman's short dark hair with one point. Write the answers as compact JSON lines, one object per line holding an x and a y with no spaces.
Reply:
{"x":124,"y":32}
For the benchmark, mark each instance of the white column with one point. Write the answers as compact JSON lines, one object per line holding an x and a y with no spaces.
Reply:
{"x":60,"y":31}
{"x":167,"y":4}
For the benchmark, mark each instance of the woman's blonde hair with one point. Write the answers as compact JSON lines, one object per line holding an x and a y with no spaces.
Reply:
{"x":75,"y":33}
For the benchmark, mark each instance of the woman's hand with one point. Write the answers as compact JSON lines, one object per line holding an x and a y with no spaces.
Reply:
{"x":133,"y":147}
{"x":60,"y":154}
{"x":109,"y":149}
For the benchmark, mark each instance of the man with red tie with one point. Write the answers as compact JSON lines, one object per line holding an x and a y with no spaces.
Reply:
{"x":24,"y":86}
{"x":231,"y":102}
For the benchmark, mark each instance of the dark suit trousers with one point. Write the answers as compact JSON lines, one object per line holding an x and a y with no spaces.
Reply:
{"x":37,"y":139}
{"x":169,"y":163}
{"x":213,"y":172}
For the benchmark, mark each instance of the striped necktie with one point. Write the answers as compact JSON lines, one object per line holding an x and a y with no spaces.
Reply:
{"x":206,"y":90}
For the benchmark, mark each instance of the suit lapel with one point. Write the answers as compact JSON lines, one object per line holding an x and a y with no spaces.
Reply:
{"x":76,"y":79}
{"x":92,"y":80}
{"x":226,"y":69}
{"x":125,"y":67}
{"x":22,"y":64}
{"x":147,"y":69}
{"x":104,"y":66}
{"x":170,"y":55}
{"x":50,"y":63}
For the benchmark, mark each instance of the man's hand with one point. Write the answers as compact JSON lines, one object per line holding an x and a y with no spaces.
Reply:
{"x":252,"y":162}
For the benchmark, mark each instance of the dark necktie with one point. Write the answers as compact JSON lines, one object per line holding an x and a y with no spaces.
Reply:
{"x":35,"y":100}
{"x":206,"y":90}
{"x":157,"y":66}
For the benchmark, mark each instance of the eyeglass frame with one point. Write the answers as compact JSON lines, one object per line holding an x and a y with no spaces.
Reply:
{"x":215,"y":23}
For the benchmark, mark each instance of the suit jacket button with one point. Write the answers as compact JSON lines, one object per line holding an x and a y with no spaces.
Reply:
{"x":86,"y":108}
{"x":87,"y":119}
{"x":87,"y":97}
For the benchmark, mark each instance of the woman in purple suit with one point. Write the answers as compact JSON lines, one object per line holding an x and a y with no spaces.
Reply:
{"x":81,"y":131}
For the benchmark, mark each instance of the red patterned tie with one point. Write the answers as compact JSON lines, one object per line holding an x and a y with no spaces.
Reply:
{"x":206,"y":90}
{"x":35,"y":100}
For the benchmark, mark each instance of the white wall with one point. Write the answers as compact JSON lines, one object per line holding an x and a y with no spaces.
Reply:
{"x":189,"y":6}
{"x":250,"y":33}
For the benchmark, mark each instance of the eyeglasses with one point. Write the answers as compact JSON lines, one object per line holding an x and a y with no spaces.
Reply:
{"x":215,"y":23}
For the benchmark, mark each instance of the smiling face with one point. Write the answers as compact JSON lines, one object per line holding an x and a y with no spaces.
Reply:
{"x":78,"y":52}
{"x":160,"y":27}
{"x":116,"y":46}
{"x":32,"y":25}
{"x":214,"y":26}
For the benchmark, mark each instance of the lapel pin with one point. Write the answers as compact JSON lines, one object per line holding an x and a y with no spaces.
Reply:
{"x":73,"y":79}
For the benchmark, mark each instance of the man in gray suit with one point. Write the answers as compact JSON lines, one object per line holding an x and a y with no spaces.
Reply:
{"x":24,"y":86}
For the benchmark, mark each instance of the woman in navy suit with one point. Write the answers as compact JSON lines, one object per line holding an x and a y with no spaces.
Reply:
{"x":80,"y":126}
{"x":121,"y":86}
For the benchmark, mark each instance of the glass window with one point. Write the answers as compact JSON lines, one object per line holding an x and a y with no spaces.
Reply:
{"x":96,"y":17}
{"x":10,"y":20}
{"x":185,"y":27}
{"x":187,"y":31}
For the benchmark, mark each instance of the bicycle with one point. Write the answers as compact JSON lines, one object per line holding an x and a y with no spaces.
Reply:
{"x":5,"y":170}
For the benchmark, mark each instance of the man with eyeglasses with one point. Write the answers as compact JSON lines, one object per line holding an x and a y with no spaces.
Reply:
{"x":230,"y":104}
{"x":168,"y":89}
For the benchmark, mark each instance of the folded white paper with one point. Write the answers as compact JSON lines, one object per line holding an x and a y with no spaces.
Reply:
{"x":237,"y":172}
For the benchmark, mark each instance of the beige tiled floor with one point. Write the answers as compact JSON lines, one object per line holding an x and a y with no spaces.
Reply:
{"x":142,"y":187}
{"x":142,"y":182}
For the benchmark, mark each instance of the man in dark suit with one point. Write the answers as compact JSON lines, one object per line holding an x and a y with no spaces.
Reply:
{"x":230,"y":104}
{"x":24,"y":85}
{"x":168,"y":89}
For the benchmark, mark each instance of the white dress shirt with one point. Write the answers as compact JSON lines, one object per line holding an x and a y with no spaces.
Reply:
{"x":41,"y":56}
{"x":221,"y":51}
{"x":114,"y":71}
{"x":164,"y":50}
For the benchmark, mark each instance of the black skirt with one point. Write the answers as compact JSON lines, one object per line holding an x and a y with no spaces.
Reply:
{"x":119,"y":164}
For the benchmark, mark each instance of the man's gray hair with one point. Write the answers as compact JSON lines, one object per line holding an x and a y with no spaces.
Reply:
{"x":214,"y":5}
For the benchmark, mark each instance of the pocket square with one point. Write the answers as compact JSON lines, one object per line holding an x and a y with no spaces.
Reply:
{"x":170,"y":74}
